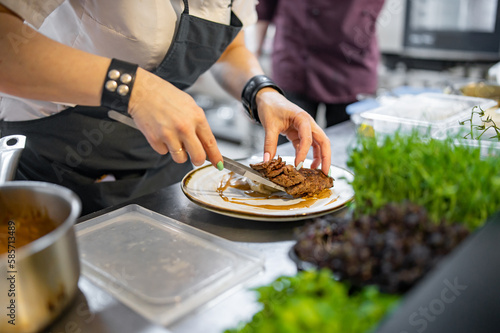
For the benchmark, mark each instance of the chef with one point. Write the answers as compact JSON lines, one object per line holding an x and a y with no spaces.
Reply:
{"x":65,"y":63}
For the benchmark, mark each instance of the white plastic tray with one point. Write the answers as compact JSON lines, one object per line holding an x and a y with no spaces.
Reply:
{"x":160,"y":267}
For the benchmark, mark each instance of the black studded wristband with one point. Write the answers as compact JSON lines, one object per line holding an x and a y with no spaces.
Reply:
{"x":118,"y":85}
{"x":250,"y":92}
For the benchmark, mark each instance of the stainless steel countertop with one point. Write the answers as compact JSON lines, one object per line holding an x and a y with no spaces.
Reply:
{"x":95,"y":310}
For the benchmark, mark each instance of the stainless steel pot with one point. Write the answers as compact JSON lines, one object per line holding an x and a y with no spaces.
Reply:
{"x":38,"y":280}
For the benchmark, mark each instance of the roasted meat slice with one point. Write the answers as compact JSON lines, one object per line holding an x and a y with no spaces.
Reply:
{"x":297,"y":183}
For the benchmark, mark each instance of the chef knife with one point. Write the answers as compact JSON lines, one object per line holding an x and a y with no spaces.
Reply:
{"x":229,"y":164}
{"x":249,"y":173}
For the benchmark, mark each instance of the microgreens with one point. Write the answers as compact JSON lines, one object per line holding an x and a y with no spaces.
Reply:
{"x":452,"y":181}
{"x":312,"y":301}
{"x":485,"y":125}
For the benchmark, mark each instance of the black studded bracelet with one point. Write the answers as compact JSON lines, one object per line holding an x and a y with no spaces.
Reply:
{"x":250,"y":92}
{"x":118,"y":85}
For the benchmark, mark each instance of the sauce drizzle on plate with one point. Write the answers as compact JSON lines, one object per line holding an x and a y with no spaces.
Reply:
{"x":239,"y":183}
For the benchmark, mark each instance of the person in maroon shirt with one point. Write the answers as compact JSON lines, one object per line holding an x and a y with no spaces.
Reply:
{"x":324,"y":51}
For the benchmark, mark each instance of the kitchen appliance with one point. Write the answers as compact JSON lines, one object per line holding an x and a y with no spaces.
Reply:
{"x":37,"y":280}
{"x":448,"y":30}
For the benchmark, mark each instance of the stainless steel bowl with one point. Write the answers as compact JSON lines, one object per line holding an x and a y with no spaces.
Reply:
{"x":485,"y":90}
{"x":481,"y":89}
{"x":37,"y":280}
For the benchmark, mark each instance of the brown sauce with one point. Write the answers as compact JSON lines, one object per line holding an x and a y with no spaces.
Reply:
{"x":22,"y":226}
{"x":239,"y":183}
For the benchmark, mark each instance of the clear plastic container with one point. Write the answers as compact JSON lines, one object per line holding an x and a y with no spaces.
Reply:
{"x":489,"y":147}
{"x":160,"y":267}
{"x":427,"y":113}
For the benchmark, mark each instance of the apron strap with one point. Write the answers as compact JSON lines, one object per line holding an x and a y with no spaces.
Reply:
{"x":186,"y":6}
{"x":197,"y":45}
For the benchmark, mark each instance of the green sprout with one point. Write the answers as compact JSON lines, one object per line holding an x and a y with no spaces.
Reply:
{"x":485,"y":126}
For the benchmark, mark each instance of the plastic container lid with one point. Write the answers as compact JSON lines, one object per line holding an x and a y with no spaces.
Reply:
{"x":372,"y":103}
{"x":424,"y":112}
{"x":160,"y":267}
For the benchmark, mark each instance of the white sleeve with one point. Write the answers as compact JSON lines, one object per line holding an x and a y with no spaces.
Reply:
{"x":32,"y":11}
{"x":246,"y":12}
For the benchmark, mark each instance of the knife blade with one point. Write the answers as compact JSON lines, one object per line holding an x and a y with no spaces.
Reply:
{"x":122,"y":118}
{"x":229,"y":164}
{"x":249,"y":173}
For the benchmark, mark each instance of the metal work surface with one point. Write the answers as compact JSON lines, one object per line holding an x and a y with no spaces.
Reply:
{"x":95,"y":310}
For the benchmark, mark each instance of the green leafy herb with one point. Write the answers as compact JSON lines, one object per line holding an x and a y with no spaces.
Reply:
{"x":486,"y":125}
{"x":451,"y":181}
{"x":312,"y":301}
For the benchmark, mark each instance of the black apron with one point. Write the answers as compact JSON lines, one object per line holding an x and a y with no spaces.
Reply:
{"x":79,"y":145}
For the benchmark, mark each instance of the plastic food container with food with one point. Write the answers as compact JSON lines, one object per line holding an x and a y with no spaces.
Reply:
{"x":426,"y":113}
{"x":158,"y":266}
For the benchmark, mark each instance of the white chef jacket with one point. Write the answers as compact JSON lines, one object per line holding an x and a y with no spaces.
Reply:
{"x":135,"y":31}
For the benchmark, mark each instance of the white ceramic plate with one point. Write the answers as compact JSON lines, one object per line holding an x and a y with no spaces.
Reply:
{"x":201,"y":186}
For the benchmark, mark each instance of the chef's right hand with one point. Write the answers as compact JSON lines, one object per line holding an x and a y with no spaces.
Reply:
{"x":171,"y":121}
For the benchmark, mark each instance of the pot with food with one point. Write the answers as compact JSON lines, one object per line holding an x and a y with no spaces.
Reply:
{"x":39,"y":264}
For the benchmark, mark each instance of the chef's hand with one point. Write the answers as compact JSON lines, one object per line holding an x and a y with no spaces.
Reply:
{"x":171,"y":121}
{"x":279,"y":115}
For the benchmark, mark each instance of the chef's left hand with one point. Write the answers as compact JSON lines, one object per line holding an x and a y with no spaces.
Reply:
{"x":279,"y":115}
